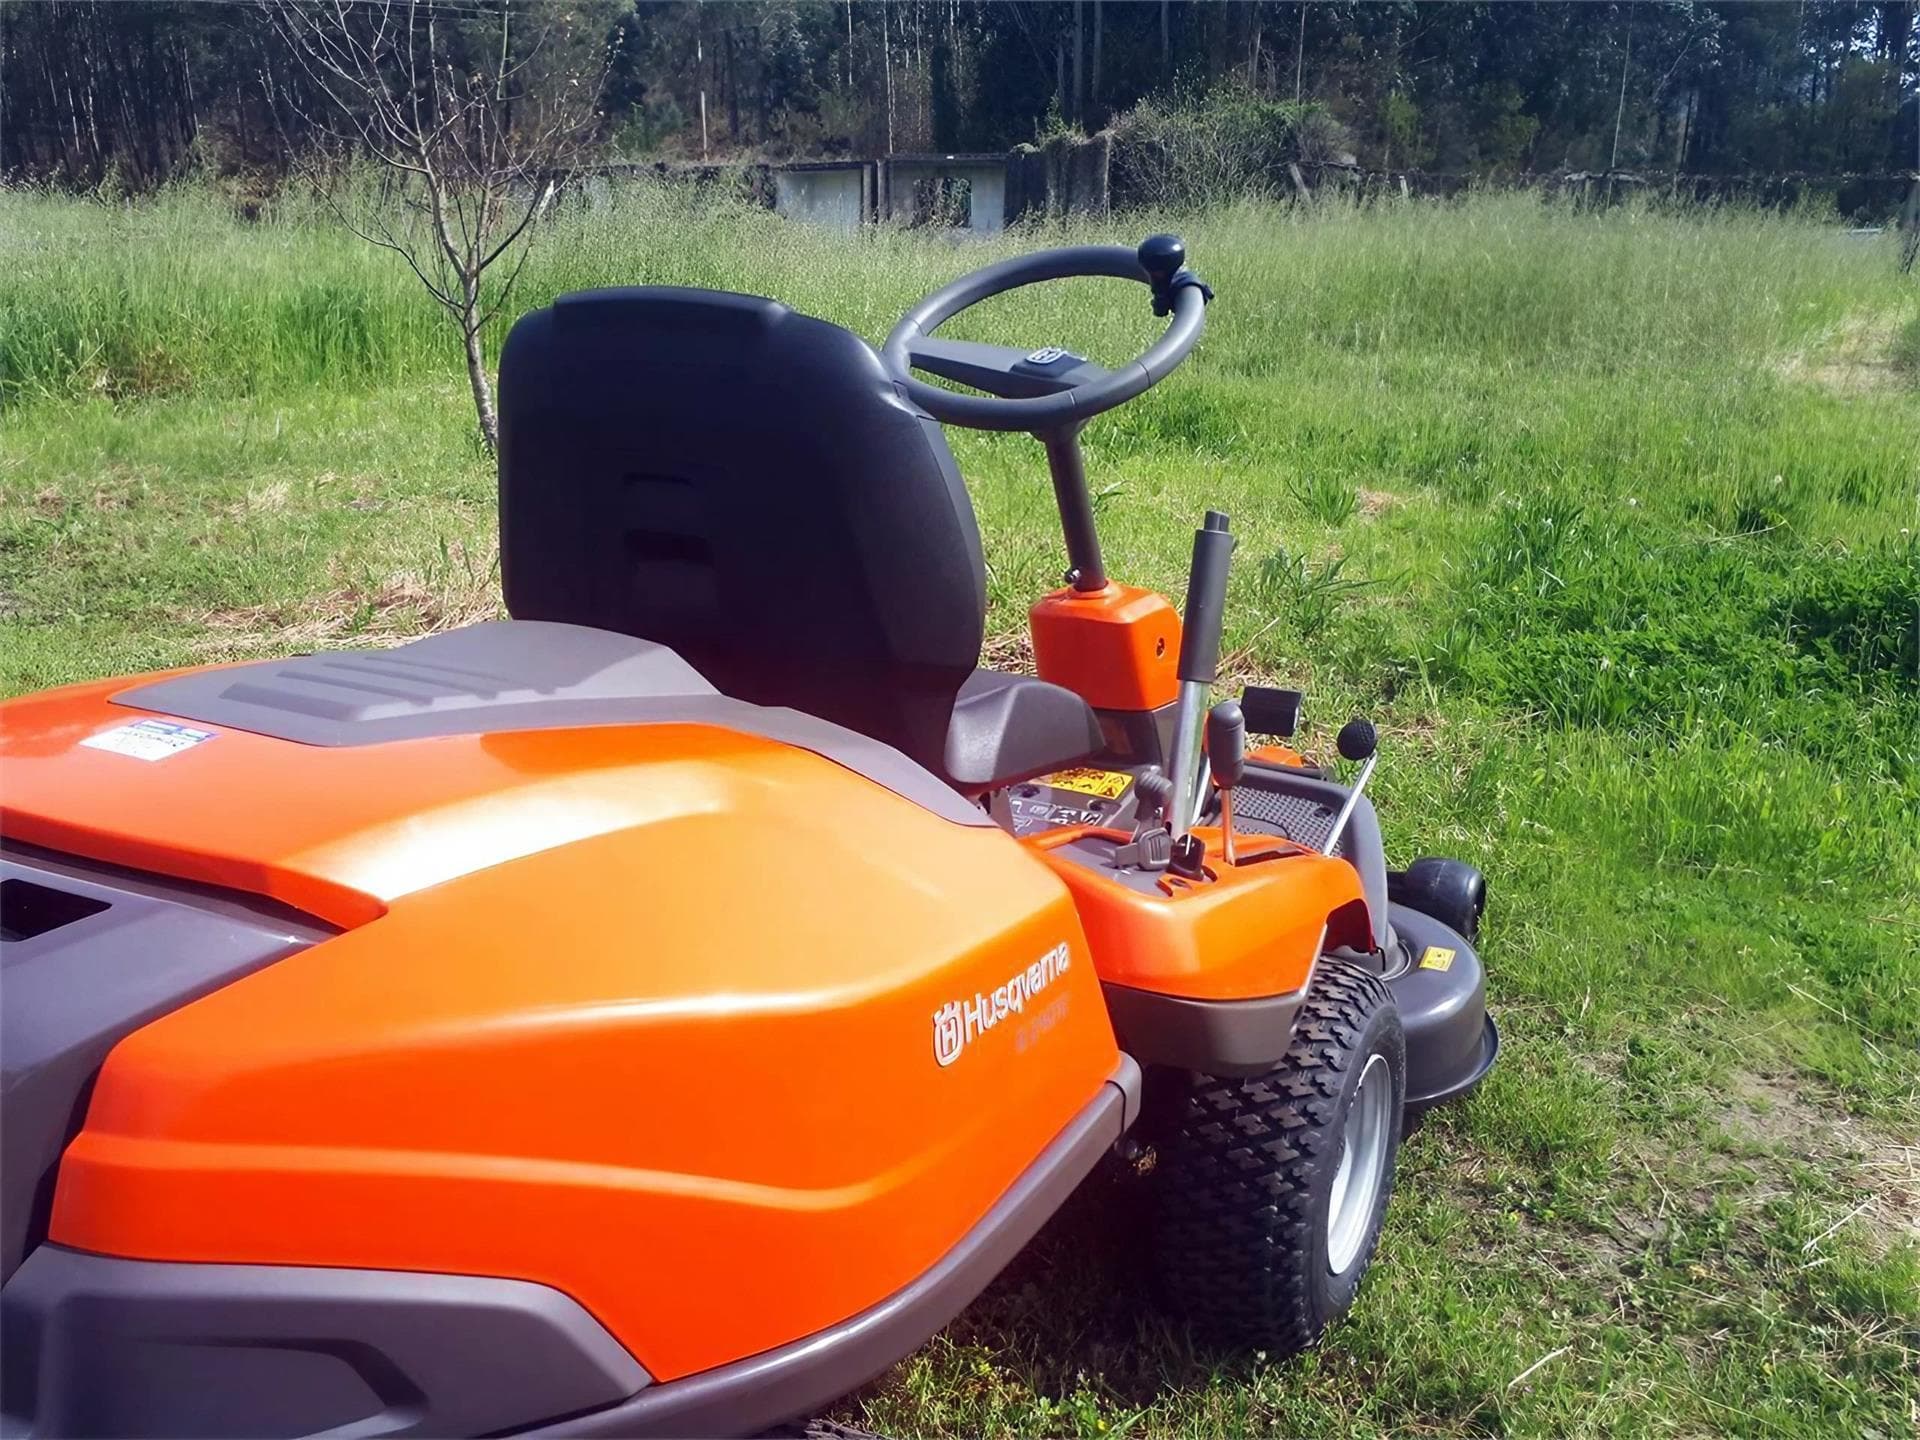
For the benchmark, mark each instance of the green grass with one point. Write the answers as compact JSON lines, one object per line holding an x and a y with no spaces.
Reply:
{"x":1608,"y":520}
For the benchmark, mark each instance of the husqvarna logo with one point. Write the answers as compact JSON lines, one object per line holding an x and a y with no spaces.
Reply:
{"x":958,"y":1022}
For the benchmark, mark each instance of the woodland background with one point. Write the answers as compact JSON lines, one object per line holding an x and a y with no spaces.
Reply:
{"x":129,"y":94}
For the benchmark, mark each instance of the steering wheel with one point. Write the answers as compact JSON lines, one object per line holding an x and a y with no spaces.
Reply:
{"x":1048,"y":390}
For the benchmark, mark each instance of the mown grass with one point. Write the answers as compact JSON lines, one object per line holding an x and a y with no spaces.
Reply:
{"x":1607,"y":518}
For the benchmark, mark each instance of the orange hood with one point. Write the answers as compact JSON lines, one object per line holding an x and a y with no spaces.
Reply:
{"x":341,"y":831}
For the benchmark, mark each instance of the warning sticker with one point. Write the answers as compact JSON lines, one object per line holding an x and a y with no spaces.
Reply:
{"x":1107,"y":784}
{"x":149,"y":739}
{"x":1436,"y":957}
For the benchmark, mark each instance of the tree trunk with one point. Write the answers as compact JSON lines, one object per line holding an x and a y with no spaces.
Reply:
{"x":763,"y":100}
{"x":700,"y":71}
{"x":886,"y":63}
{"x":92,"y":110}
{"x":477,"y":378}
{"x":1890,"y":43}
{"x":733,"y":87}
{"x":1620,"y":112}
{"x":1099,"y":28}
{"x":1079,"y":56}
{"x":1300,"y":56}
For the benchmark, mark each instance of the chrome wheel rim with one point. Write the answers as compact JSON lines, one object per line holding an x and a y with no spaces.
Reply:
{"x":1363,"y":1165}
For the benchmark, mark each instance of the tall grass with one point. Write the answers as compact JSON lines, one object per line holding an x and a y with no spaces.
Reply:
{"x":175,"y":293}
{"x":1906,"y":349}
{"x":1640,"y":520}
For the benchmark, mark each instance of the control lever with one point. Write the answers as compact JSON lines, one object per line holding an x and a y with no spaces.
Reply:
{"x":1151,"y":846}
{"x":1357,"y":741}
{"x":1149,"y":850}
{"x":1154,"y":790}
{"x":1227,"y":759}
{"x":1199,"y":661}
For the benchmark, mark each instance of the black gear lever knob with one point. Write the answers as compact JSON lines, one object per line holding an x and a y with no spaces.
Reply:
{"x":1154,"y":790}
{"x":1357,"y":739}
{"x":1227,"y":744}
{"x":1161,"y":256}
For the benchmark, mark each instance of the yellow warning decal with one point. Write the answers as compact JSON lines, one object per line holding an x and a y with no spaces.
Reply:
{"x":1436,"y":957}
{"x":1107,"y":784}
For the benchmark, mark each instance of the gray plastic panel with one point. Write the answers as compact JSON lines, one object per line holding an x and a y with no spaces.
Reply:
{"x":75,"y":989}
{"x":102,"y":1346}
{"x":1215,"y":1037}
{"x":1303,"y":818}
{"x":508,"y":675}
{"x":1008,"y":728}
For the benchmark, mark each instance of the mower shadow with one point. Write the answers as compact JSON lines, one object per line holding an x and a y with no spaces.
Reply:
{"x":1078,"y":1305}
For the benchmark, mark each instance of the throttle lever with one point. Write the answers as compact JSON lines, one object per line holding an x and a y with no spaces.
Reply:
{"x":1227,"y":760}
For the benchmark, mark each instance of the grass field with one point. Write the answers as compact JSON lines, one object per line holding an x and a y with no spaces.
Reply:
{"x":1607,"y":519}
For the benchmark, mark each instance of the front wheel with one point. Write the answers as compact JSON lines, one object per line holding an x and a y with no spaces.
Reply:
{"x":1270,"y":1190}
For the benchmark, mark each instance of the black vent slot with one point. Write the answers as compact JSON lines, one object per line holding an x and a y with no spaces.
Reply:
{"x":669,"y":503}
{"x":653,"y":547}
{"x":27,"y":909}
{"x":670,"y":561}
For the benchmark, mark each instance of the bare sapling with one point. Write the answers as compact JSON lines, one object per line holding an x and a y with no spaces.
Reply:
{"x":442,"y":132}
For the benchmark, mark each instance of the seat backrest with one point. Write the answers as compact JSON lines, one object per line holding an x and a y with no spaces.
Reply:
{"x":721,"y":475}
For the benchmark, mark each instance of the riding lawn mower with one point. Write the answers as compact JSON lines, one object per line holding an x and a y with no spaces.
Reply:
{"x":660,"y":1011}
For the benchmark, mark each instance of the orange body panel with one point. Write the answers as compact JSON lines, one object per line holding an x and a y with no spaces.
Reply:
{"x":1252,"y":930}
{"x":1277,"y":754}
{"x":1117,"y":648}
{"x":648,"y":1014}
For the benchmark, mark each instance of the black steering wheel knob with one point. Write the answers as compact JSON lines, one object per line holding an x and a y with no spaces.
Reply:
{"x":1161,"y":256}
{"x":1164,"y":258}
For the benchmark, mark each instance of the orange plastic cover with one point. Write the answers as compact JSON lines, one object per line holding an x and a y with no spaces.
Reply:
{"x":714,"y":1036}
{"x":1117,"y":648}
{"x":1252,"y":930}
{"x":1277,"y":754}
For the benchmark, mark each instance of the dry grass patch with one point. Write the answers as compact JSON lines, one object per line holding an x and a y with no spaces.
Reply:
{"x":1373,"y":503}
{"x":1778,"y":1121}
{"x":401,"y":606}
{"x":1858,"y":356}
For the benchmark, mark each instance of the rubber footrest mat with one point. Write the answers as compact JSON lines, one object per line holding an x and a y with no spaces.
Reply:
{"x":1274,"y":812}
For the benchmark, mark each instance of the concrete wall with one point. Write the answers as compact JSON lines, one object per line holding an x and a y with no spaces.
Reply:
{"x":986,"y":178}
{"x":989,"y":199}
{"x":838,"y":198}
{"x":1066,"y":176}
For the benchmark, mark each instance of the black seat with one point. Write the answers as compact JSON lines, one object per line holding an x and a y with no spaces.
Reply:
{"x":724,"y":476}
